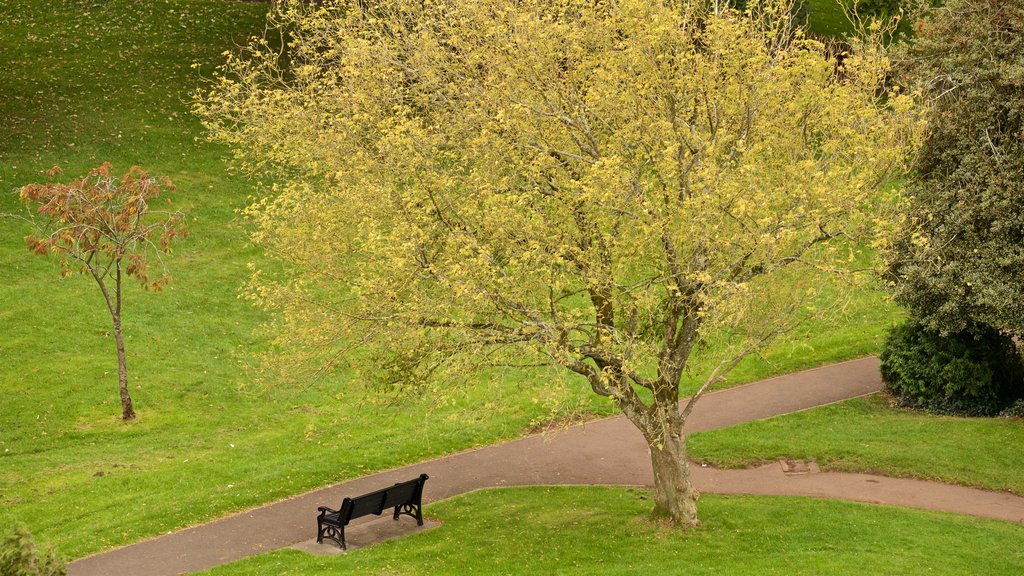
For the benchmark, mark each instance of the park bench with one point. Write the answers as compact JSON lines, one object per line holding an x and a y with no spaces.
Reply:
{"x":404,"y":497}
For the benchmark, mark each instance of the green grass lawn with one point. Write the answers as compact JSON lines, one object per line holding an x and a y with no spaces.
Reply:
{"x":605,"y":531}
{"x":827,"y":17}
{"x":86,"y":81}
{"x":867,"y":435}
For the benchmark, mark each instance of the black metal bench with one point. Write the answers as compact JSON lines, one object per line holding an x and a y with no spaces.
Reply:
{"x":405,"y":497}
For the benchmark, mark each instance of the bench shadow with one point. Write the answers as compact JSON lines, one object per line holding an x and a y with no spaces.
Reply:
{"x":364,"y":534}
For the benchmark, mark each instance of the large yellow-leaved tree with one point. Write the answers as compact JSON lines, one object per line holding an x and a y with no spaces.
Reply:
{"x":597,"y":185}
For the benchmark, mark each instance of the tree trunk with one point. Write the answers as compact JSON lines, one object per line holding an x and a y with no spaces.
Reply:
{"x":662,"y":426}
{"x":114,"y":306}
{"x":674,"y":494}
{"x":127,"y":411}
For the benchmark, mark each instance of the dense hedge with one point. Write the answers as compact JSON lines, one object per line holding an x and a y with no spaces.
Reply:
{"x":976,"y":375}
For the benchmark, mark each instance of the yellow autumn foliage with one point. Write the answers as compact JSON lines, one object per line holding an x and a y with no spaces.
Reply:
{"x":591,"y":184}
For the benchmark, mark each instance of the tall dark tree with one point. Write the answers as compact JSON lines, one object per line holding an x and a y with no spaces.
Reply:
{"x":963,"y":266}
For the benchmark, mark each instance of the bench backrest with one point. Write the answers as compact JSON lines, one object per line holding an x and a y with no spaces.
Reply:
{"x":400,"y":494}
{"x":410,"y":492}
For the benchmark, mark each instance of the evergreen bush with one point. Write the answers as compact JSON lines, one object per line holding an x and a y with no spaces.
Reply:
{"x":977,"y":373}
{"x":20,"y":557}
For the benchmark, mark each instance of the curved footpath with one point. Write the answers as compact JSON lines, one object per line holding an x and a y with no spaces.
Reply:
{"x":608,"y":451}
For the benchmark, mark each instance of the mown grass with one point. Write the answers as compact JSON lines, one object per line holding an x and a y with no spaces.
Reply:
{"x":86,"y":81}
{"x":95,"y":81}
{"x":596,"y":530}
{"x":869,"y":435}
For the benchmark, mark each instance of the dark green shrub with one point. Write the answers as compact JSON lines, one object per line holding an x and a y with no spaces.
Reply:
{"x":963,"y":261}
{"x":20,"y":557}
{"x":1015,"y":410}
{"x":975,"y":375}
{"x":879,"y":8}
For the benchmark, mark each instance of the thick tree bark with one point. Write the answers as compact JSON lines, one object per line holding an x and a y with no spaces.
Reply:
{"x":674,"y":494}
{"x":662,"y":426}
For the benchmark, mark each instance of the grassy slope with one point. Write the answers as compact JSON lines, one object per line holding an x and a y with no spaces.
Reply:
{"x":866,"y":434}
{"x":86,"y":81}
{"x":94,"y":81}
{"x":605,"y":531}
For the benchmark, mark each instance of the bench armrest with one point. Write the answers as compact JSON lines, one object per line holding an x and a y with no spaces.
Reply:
{"x":324,"y":510}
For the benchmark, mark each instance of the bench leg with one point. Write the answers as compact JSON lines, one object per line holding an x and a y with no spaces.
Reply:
{"x":331,"y":532}
{"x":412,"y":509}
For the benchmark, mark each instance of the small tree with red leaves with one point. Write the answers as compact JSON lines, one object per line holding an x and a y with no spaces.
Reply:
{"x":102,"y":226}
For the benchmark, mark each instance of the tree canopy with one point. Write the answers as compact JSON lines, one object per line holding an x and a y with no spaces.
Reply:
{"x":601,"y":186}
{"x":965,"y":263}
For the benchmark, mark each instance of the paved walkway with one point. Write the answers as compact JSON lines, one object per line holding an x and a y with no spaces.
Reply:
{"x":608,"y":451}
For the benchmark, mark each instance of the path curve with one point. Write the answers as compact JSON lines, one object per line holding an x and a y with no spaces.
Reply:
{"x":607,"y":451}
